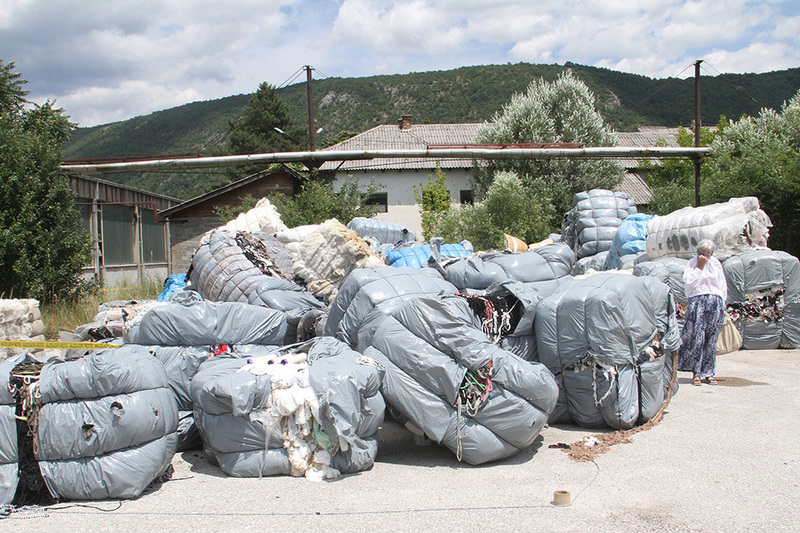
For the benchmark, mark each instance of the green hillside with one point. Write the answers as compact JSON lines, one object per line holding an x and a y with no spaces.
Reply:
{"x":467,"y":94}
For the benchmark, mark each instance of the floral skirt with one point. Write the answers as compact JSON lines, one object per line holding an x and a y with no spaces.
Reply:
{"x":698,"y":353}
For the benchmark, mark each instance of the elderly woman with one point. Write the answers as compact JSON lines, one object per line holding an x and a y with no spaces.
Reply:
{"x":706,"y":290}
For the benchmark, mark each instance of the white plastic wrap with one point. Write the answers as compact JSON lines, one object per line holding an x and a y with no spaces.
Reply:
{"x":263,"y":217}
{"x":736,"y":226}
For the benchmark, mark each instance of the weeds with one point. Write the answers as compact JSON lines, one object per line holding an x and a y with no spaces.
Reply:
{"x":66,"y":315}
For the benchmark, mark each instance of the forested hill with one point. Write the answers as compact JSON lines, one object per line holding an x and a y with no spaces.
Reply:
{"x":467,"y":94}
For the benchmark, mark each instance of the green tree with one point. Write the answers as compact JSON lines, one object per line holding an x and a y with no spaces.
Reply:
{"x":562,"y":111}
{"x":508,"y":208}
{"x":256,"y":130}
{"x":42,"y":243}
{"x":434,"y":201}
{"x":318,"y":201}
{"x":760,"y":157}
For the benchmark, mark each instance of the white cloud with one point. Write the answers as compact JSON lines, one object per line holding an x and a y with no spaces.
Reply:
{"x":182,"y":50}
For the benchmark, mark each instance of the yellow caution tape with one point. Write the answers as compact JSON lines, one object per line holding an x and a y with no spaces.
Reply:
{"x":57,"y":345}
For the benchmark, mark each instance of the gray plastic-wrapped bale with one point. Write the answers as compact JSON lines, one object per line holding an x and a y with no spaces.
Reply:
{"x":594,"y":334}
{"x":736,"y":226}
{"x":290,"y":298}
{"x":385,"y":232}
{"x":181,"y":363}
{"x":106,"y":426}
{"x":585,"y":265}
{"x":383,"y":288}
{"x":316,"y":415}
{"x":188,"y":320}
{"x":444,"y":374}
{"x":227,"y":266}
{"x":590,"y":226}
{"x":480,"y":271}
{"x":764,"y":298}
{"x":8,"y":431}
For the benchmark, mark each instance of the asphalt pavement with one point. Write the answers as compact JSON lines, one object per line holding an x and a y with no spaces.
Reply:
{"x":724,"y":458}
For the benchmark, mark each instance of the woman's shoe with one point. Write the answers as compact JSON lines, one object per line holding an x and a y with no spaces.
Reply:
{"x":711,"y":381}
{"x":696,"y":381}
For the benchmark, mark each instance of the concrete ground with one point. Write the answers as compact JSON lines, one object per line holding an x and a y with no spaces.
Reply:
{"x":724,"y":458}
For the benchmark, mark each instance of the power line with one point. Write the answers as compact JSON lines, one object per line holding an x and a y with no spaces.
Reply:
{"x":738,"y":88}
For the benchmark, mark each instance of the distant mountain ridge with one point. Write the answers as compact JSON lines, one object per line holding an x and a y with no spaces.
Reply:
{"x":466,"y":94}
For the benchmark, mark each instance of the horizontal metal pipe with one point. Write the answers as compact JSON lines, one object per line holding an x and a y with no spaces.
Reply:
{"x":318,"y":157}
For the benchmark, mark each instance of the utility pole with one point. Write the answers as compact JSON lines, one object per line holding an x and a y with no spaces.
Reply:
{"x":697,"y":125}
{"x":311,"y":128}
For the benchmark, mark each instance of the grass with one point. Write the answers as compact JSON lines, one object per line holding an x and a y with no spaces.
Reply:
{"x":66,"y":316}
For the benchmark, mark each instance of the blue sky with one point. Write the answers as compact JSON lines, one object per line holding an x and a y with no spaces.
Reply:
{"x":107,"y":61}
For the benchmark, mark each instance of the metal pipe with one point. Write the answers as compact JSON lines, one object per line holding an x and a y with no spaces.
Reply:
{"x":317,"y":157}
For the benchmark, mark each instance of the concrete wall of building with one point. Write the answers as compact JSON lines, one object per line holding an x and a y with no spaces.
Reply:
{"x":399,"y":187}
{"x":185,"y":235}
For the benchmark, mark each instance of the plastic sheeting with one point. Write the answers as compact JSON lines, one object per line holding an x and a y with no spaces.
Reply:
{"x":173,"y":283}
{"x":384,"y":232}
{"x":428,"y":346}
{"x":630,"y":239}
{"x":317,"y":418}
{"x":107,"y":424}
{"x":20,"y":320}
{"x":384,"y":289}
{"x":264,"y":217}
{"x":597,"y":336}
{"x":328,"y":255}
{"x":590,"y":226}
{"x":736,"y":226}
{"x":764,"y":298}
{"x":9,"y":453}
{"x":418,"y":256}
{"x":188,"y":320}
{"x":547,"y":263}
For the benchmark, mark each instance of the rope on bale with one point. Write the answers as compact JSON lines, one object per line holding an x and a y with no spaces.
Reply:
{"x":590,"y":447}
{"x":24,"y":385}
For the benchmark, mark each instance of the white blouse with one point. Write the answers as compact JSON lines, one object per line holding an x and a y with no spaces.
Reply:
{"x":707,"y":280}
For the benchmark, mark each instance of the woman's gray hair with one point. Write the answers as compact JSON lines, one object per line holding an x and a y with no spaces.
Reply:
{"x":706,"y":244}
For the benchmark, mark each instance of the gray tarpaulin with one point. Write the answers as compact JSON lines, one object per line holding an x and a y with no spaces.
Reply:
{"x":188,"y":320}
{"x":107,"y":424}
{"x":764,"y":298}
{"x":597,"y":335}
{"x":428,"y":346}
{"x":480,"y":271}
{"x":385,"y":232}
{"x":239,"y":407}
{"x":384,"y":288}
{"x":8,"y":431}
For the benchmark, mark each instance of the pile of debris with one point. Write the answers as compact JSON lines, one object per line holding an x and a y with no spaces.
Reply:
{"x":287,"y":347}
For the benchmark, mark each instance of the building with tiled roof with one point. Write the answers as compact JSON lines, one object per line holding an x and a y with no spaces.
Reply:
{"x":397,"y":177}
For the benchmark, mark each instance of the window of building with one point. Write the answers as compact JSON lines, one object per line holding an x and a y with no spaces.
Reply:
{"x":118,"y":226}
{"x":465,"y":197}
{"x":154,"y":247}
{"x":380,"y":200}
